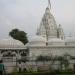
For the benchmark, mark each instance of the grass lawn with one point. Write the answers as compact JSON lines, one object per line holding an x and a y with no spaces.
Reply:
{"x":65,"y":74}
{"x":41,"y":73}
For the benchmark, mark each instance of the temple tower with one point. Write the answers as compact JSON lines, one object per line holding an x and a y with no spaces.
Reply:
{"x":48,"y":27}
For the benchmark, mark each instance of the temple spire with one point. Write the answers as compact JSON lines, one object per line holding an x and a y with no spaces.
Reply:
{"x":49,"y":4}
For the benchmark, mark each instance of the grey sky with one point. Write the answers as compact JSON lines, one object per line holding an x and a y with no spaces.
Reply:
{"x":26,"y":15}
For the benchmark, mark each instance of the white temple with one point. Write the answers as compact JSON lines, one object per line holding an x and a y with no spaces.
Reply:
{"x":49,"y":40}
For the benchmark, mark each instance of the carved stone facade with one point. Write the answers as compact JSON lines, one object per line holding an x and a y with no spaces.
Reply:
{"x":12,"y":57}
{"x":48,"y":27}
{"x":50,"y":40}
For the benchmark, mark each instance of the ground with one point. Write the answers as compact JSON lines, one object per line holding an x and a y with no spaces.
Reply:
{"x":44,"y":73}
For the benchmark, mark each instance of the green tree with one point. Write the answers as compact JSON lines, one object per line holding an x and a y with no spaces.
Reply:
{"x":19,"y":35}
{"x":64,"y":61}
{"x":43,"y":58}
{"x":61,"y":60}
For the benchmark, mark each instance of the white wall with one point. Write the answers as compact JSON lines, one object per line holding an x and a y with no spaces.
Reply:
{"x":36,"y":51}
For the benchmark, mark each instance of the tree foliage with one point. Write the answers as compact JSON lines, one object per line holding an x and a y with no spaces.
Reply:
{"x":43,"y":58}
{"x":19,"y":35}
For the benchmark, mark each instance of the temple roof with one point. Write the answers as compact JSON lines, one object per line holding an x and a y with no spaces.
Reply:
{"x":48,"y":25}
{"x":10,"y":43}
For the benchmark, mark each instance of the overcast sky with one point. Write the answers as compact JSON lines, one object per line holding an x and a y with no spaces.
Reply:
{"x":26,"y":15}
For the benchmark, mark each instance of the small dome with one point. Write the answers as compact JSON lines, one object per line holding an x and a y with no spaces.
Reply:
{"x":47,"y":11}
{"x":38,"y":38}
{"x":37,"y":41}
{"x":10,"y":43}
{"x":70,"y":41}
{"x":56,"y":42}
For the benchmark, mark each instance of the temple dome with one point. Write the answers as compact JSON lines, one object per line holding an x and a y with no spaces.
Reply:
{"x":56,"y":42}
{"x":38,"y":38}
{"x":10,"y":43}
{"x":37,"y":41}
{"x":70,"y":41}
